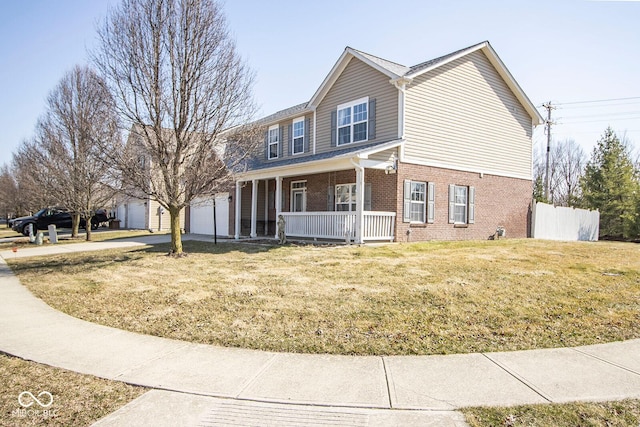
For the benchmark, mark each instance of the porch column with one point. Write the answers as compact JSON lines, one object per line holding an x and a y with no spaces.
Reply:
{"x":254,"y":208}
{"x":359,"y":204}
{"x":266,"y":207}
{"x":238,"y":216}
{"x":278,"y":200}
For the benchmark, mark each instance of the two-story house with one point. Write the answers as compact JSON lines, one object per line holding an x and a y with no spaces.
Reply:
{"x":382,"y":151}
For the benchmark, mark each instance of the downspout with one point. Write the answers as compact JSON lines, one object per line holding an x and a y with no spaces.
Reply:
{"x":359,"y":201}
{"x":314,"y":129}
{"x":401,"y":84}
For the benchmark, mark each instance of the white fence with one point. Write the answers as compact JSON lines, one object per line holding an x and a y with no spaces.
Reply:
{"x":560,"y":223}
{"x":336,"y":225}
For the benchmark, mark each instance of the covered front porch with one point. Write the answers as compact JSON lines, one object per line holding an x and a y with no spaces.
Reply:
{"x":349,"y":199}
{"x":375,"y":226}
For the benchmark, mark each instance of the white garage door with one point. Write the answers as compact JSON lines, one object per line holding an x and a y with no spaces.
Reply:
{"x":202,"y":215}
{"x":136,"y":215}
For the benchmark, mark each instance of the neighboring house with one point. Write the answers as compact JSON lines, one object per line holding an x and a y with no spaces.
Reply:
{"x":142,"y":212}
{"x":439,"y":150}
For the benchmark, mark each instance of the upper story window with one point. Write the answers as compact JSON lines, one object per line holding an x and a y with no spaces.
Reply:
{"x":353,"y":120}
{"x":298,"y":136}
{"x":273,"y":142}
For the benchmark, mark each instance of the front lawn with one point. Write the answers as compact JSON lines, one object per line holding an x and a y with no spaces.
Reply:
{"x":625,"y":413}
{"x":423,"y":298}
{"x":73,"y":399}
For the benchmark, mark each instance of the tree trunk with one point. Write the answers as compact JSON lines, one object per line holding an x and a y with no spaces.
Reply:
{"x":88,"y":225}
{"x":75,"y":224}
{"x":176,"y":237}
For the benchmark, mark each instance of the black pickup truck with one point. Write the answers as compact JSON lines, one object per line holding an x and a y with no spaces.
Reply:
{"x":60,"y":217}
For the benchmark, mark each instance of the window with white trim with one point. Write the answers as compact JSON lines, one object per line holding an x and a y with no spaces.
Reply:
{"x":353,"y":120}
{"x":345,"y":197}
{"x":298,"y":136}
{"x":298,"y":196}
{"x":419,"y":202}
{"x":273,"y":140}
{"x":461,"y":204}
{"x":418,"y":209}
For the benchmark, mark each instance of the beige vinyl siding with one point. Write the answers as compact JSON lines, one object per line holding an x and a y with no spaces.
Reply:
{"x":155,"y":223}
{"x":464,"y":116}
{"x":357,"y":81}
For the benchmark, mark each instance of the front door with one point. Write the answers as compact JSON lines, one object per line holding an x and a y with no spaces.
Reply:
{"x":299,"y":196}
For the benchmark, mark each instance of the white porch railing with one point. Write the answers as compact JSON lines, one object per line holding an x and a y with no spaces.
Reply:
{"x":336,"y":225}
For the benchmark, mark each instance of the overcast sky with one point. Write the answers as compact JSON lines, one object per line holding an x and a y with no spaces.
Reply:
{"x":583,"y":56}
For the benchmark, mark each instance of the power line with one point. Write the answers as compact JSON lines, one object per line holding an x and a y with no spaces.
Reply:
{"x":617,"y":104}
{"x":585,"y":116}
{"x":598,"y":100}
{"x":598,"y":120}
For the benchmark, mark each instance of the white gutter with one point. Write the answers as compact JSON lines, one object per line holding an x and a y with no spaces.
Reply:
{"x":401,"y":84}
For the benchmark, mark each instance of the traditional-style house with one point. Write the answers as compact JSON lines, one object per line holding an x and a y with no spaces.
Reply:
{"x":382,"y":151}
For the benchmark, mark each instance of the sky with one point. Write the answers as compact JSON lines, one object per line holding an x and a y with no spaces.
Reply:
{"x":582,"y":56}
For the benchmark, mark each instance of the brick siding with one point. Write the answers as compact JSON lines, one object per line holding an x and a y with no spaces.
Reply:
{"x":499,"y":201}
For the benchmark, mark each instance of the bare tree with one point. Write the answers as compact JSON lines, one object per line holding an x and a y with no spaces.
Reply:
{"x":33,"y":181}
{"x":565,"y":169}
{"x":9,"y":199}
{"x":180,"y":84}
{"x":80,"y":121}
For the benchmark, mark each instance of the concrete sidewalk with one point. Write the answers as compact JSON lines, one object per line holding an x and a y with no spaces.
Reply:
{"x":196,"y":382}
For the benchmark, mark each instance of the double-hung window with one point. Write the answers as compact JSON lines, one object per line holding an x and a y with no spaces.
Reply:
{"x":353,"y":120}
{"x":419,"y":202}
{"x":418,"y":199}
{"x":461,"y":204}
{"x":346,"y":197}
{"x":298,"y":136}
{"x":273,"y":141}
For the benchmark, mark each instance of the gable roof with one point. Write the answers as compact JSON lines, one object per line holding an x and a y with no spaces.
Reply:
{"x":397,"y":71}
{"x":296,"y":110}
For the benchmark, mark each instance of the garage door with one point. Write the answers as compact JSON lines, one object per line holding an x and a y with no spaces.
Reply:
{"x":202,"y":215}
{"x":136,"y":215}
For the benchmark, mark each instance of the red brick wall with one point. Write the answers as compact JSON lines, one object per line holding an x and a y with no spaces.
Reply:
{"x":383,"y":188}
{"x":499,"y":201}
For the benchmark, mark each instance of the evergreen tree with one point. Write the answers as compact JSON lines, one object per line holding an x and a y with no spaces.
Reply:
{"x":610,"y":184}
{"x":538,"y":190}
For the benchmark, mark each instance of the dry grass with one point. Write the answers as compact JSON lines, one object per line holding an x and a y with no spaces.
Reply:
{"x":7,"y":232}
{"x":426,"y":298}
{"x":625,"y":413}
{"x":78,"y":400}
{"x":23,"y":242}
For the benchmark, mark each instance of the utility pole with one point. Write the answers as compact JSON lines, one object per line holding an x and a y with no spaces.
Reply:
{"x":547,"y":182}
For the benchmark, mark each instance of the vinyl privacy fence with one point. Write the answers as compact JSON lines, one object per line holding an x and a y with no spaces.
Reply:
{"x":561,"y":223}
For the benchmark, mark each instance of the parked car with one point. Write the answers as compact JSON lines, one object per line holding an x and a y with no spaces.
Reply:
{"x":60,"y":217}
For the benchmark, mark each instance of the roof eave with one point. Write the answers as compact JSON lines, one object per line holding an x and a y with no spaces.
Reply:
{"x":338,"y":68}
{"x":513,"y":85}
{"x":297,"y":167}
